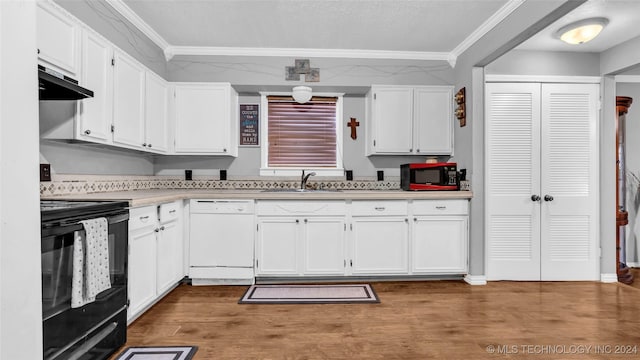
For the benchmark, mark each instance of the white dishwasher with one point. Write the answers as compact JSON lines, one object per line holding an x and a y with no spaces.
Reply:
{"x":221,"y":242}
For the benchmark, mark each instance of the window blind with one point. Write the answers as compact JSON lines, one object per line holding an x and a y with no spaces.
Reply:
{"x":302,"y":135}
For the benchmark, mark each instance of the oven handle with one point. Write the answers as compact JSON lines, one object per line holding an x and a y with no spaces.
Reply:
{"x":67,"y":227}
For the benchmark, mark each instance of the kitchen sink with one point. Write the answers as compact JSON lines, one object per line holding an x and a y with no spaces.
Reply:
{"x":301,"y":190}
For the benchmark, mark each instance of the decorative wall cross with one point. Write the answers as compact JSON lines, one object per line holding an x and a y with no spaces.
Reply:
{"x":352,"y":124}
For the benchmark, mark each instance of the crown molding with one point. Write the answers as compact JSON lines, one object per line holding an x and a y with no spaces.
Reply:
{"x":140,"y":24}
{"x":487,"y":26}
{"x":305,"y":52}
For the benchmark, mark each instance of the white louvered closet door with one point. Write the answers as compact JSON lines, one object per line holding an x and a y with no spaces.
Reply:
{"x":569,"y":218}
{"x":541,"y":141}
{"x":512,"y":176}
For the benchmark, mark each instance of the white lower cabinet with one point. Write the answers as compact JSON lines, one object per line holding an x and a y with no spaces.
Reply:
{"x":301,"y":238}
{"x":277,"y":246}
{"x":142,"y":267}
{"x":364,"y":238}
{"x":324,"y":246}
{"x":155,"y":254}
{"x":439,"y":237}
{"x":380,"y":237}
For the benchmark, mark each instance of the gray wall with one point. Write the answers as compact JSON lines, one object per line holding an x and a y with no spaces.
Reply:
{"x":248,"y":161}
{"x":632,"y":148}
{"x":527,"y":62}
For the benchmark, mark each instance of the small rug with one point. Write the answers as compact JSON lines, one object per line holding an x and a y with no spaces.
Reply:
{"x":309,"y":294}
{"x":158,"y":353}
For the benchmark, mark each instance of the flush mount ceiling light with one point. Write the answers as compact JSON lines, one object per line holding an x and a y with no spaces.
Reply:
{"x":301,"y":94}
{"x":580,"y":32}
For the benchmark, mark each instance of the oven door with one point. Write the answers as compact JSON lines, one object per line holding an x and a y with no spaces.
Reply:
{"x":64,"y":327}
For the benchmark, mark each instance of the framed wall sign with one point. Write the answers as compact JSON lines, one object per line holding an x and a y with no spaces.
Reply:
{"x":249,"y":125}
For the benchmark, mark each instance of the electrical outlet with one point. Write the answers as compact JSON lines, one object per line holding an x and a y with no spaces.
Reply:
{"x":45,"y":172}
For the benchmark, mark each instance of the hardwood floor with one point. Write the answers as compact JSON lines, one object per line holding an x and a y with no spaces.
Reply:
{"x":415,"y":320}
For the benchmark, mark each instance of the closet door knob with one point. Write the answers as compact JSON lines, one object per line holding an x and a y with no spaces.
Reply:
{"x":535,"y":198}
{"x":548,"y":198}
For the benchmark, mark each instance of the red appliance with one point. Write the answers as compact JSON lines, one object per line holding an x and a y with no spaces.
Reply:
{"x":425,"y":176}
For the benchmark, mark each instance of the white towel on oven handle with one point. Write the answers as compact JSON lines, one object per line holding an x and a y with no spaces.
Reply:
{"x":90,"y":262}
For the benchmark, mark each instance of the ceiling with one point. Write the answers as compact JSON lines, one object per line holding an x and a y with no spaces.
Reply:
{"x":382,"y":29}
{"x":623,"y":16}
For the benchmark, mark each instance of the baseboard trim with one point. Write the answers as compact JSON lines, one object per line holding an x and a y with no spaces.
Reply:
{"x":475,"y":279}
{"x":608,"y":278}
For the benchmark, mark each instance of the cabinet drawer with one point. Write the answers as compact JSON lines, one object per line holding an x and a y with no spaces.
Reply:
{"x":375,"y":208}
{"x":208,"y":206}
{"x":140,"y":218}
{"x":170,"y":212}
{"x":441,"y":207}
{"x":294,"y":208}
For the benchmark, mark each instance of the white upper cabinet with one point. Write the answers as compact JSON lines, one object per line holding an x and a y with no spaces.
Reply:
{"x":433,"y":120}
{"x":128,"y":101}
{"x":409,"y":120}
{"x":391,"y":120}
{"x":58,"y":39}
{"x":205,"y":119}
{"x":156,"y":113}
{"x":95,"y":114}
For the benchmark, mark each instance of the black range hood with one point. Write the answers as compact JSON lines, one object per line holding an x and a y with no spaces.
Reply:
{"x":55,"y":86}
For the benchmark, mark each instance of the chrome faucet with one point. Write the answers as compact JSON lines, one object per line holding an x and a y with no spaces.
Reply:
{"x":304,"y":178}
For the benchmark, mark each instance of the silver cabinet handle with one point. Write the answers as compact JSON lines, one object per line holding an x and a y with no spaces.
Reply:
{"x":441,"y":207}
{"x":87,"y":132}
{"x":172,"y":211}
{"x":143,"y":218}
{"x":380,"y":208}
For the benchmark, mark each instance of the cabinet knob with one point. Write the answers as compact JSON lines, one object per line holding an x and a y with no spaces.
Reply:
{"x":305,"y":221}
{"x":297,"y":221}
{"x":224,"y":150}
{"x":149,"y":145}
{"x":411,"y":150}
{"x":548,"y":198}
{"x":162,"y":228}
{"x":417,"y":150}
{"x":87,"y":132}
{"x":144,"y":144}
{"x":38,"y":51}
{"x":156,"y":230}
{"x":535,"y":197}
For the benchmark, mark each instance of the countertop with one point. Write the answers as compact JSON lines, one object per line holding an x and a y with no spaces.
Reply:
{"x":137,"y":198}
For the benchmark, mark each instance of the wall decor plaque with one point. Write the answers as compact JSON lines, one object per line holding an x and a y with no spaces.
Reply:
{"x":249,"y":125}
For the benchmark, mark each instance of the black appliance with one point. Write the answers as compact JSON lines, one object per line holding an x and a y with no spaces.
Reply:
{"x":97,"y":329}
{"x":55,"y":86}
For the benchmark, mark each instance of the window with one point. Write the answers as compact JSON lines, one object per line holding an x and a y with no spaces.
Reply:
{"x":301,"y":136}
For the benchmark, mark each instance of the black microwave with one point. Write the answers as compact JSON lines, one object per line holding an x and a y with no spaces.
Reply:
{"x":429,"y":176}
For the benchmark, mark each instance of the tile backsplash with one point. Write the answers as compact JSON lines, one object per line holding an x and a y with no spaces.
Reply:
{"x":85,"y":184}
